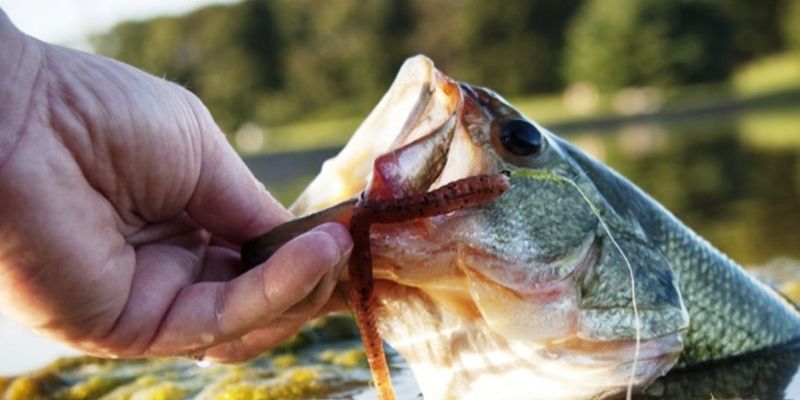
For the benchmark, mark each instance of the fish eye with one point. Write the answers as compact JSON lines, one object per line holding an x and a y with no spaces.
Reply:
{"x":520,"y":137}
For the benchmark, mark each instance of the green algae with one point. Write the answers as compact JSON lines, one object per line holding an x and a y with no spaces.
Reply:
{"x":323,"y":360}
{"x":346,"y":358}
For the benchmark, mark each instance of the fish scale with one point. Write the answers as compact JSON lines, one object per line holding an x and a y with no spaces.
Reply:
{"x":731,"y":312}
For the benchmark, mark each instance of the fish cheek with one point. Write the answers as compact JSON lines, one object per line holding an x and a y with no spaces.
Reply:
{"x":525,"y":257}
{"x":606,"y":298}
{"x":539,"y":229}
{"x":547,"y":315}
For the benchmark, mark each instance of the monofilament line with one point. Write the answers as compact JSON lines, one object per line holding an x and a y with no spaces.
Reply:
{"x":637,"y":324}
{"x":629,"y":392}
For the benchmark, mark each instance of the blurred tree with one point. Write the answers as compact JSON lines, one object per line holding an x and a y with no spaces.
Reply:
{"x":348,"y":52}
{"x":226,"y":55}
{"x":514,"y":47}
{"x":618,"y":43}
{"x":272,"y":61}
{"x":437,"y":28}
{"x":395,"y":25}
{"x":757,"y":32}
{"x":791,"y":24}
{"x":236,"y":55}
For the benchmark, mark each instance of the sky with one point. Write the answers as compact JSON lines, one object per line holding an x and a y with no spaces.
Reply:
{"x":70,"y":22}
{"x":23,"y":351}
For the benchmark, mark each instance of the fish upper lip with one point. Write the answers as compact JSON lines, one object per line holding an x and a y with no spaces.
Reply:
{"x":418,"y":154}
{"x":541,"y":290}
{"x":440,"y":82}
{"x":413,"y":167}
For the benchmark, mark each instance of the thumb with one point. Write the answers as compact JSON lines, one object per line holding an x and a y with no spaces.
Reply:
{"x":228,"y":201}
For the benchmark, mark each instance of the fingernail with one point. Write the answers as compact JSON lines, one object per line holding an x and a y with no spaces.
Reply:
{"x":340,"y":234}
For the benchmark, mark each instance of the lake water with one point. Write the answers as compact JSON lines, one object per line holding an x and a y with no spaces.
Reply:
{"x":734,"y":178}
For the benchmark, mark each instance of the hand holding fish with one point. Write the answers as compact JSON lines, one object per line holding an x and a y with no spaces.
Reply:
{"x":122,"y":208}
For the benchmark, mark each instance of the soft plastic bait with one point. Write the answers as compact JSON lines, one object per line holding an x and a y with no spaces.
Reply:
{"x":454,"y":196}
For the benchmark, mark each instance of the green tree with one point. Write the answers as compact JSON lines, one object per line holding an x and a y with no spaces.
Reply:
{"x":758,"y":31}
{"x":273,"y":61}
{"x":227,"y":55}
{"x":618,"y":43}
{"x":341,"y":57}
{"x":791,"y":24}
{"x":515,"y":46}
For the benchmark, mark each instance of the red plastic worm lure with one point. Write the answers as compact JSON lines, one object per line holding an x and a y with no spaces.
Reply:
{"x":454,"y":196}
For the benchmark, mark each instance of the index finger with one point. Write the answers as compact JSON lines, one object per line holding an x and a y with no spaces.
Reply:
{"x":209,"y":313}
{"x":228,"y":200}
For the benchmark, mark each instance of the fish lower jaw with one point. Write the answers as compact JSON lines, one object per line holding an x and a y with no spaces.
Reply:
{"x":454,"y":356}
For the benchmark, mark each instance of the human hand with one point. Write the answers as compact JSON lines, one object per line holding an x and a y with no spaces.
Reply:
{"x":122,"y":207}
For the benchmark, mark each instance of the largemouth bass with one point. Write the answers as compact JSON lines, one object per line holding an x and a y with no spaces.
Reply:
{"x":572,"y":284}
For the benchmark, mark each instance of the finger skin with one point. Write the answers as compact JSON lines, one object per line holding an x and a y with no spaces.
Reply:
{"x":281,"y":329}
{"x":210,"y":313}
{"x":228,"y":200}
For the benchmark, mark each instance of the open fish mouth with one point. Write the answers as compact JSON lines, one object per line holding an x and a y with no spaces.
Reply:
{"x":434,"y":256}
{"x":439,"y":142}
{"x":410,"y":130}
{"x":477,"y":301}
{"x":470,"y":335}
{"x":467,"y":335}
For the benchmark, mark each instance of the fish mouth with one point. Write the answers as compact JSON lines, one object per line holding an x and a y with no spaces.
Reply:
{"x":449,"y":314}
{"x":399,"y":149}
{"x":416,"y":139}
{"x":435,"y":144}
{"x":456,"y":357}
{"x":476,"y":284}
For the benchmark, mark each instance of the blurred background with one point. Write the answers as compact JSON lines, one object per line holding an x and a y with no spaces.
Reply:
{"x":697,"y":101}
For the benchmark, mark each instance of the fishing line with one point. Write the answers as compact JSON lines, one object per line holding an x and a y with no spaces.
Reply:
{"x":637,"y":323}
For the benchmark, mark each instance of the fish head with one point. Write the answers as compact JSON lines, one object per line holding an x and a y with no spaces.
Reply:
{"x":552,"y":290}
